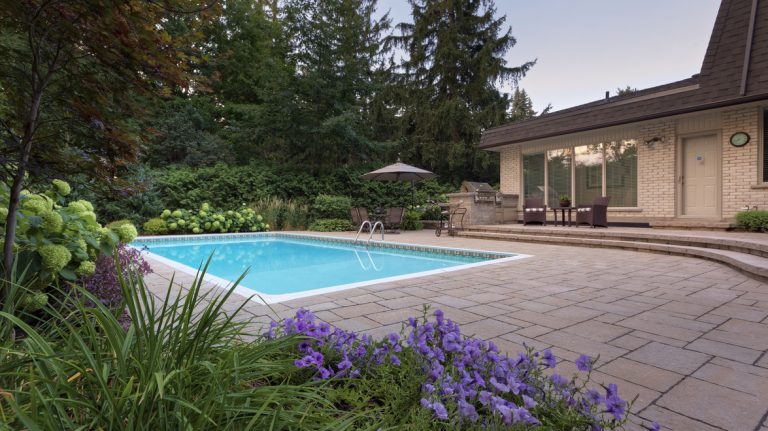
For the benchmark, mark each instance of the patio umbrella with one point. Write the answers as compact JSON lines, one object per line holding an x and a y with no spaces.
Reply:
{"x":399,"y":171}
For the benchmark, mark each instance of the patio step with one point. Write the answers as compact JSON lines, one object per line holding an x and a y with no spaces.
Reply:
{"x":707,"y":240}
{"x":755,"y":266}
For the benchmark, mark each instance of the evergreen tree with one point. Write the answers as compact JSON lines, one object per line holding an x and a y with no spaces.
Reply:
{"x":521,"y":106}
{"x":449,"y":78}
{"x":337,"y":50}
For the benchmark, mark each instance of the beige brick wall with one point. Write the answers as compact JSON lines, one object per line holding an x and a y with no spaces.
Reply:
{"x":656,"y":180}
{"x":658,"y":170}
{"x":740,"y":166}
{"x":511,"y":171}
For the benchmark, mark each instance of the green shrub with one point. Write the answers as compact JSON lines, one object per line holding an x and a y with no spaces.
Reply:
{"x":412,"y":220}
{"x":296,"y":216}
{"x":209,"y":220}
{"x":58,"y":238}
{"x":182,"y":364}
{"x":756,"y":221}
{"x":155,"y":226}
{"x":281,"y":214}
{"x":331,"y":207}
{"x":331,"y":225}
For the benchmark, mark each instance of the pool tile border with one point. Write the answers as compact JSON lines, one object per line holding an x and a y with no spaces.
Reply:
{"x":262,"y":298}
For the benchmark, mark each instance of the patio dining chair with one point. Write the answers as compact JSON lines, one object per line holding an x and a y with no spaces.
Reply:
{"x":359,"y":215}
{"x":595,"y":214}
{"x":534,"y":211}
{"x":394,"y":218}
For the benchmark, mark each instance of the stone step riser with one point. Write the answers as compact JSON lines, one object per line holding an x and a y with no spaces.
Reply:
{"x":757,"y":272}
{"x":587,"y":233}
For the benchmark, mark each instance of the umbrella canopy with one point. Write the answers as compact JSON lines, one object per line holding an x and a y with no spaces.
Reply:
{"x":398,"y":172}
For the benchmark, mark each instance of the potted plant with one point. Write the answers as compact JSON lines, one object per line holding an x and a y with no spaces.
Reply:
{"x":565,"y":201}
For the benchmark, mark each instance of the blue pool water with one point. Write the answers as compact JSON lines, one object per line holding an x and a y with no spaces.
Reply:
{"x":283,"y":265}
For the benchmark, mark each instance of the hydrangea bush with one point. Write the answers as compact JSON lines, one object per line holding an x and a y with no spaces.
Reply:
{"x":59,"y":239}
{"x":208,"y":220}
{"x":463,"y":383}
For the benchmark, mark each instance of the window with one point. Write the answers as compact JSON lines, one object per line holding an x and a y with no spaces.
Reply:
{"x":621,"y":173}
{"x":589,"y":173}
{"x":558,"y":174}
{"x":586,"y":172}
{"x":533,"y":176}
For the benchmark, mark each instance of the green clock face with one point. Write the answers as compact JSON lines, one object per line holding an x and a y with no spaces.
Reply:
{"x":739,"y":139}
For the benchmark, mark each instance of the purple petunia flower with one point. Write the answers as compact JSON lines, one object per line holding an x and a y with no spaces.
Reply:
{"x":549,"y":358}
{"x":468,"y":411}
{"x":584,"y":363}
{"x":440,"y":411}
{"x":655,"y":426}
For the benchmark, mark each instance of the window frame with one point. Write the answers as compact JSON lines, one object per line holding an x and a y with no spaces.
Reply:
{"x":604,"y":171}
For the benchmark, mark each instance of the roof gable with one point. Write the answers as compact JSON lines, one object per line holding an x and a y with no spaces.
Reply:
{"x":723,"y":81}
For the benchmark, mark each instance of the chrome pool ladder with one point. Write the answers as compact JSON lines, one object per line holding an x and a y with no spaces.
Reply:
{"x":372,"y":230}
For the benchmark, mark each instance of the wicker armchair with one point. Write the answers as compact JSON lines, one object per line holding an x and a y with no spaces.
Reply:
{"x":595,"y":214}
{"x":534,"y":211}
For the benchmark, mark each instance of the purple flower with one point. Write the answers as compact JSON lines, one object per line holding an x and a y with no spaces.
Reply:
{"x":395,"y":360}
{"x":529,"y":402}
{"x":468,"y":411}
{"x":440,"y":411}
{"x":549,"y":358}
{"x":584,"y":363}
{"x":655,"y":426}
{"x":484,"y":397}
{"x":613,"y":403}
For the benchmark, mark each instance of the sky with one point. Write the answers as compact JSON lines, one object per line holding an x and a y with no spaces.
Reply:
{"x":584,"y":48}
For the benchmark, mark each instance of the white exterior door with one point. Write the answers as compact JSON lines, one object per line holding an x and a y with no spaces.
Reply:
{"x":700,"y":176}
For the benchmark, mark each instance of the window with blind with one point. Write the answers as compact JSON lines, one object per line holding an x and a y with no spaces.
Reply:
{"x":765,"y":146}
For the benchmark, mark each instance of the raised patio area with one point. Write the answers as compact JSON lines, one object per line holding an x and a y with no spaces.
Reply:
{"x":688,"y":336}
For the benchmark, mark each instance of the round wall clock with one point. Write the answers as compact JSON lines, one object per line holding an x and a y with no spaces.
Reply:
{"x":739,"y":139}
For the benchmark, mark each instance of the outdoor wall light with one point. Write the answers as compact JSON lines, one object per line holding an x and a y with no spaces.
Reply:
{"x":651,"y":142}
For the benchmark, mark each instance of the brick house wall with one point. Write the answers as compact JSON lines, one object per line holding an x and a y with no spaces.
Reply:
{"x":658,"y":186}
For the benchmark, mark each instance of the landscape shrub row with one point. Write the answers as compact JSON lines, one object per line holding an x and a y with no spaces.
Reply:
{"x":205,"y":220}
{"x":756,"y":221}
{"x":223,"y":186}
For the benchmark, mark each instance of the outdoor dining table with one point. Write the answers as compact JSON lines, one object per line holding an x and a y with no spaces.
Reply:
{"x":562,"y":214}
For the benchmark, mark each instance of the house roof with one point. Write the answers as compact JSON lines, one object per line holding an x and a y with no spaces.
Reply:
{"x":734,"y":71}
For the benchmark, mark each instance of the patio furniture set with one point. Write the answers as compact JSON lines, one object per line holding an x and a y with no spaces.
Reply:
{"x":534,"y":211}
{"x":391,"y":218}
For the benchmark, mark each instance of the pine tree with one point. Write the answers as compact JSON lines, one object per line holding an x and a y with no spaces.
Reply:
{"x":455,"y":59}
{"x":521,"y":106}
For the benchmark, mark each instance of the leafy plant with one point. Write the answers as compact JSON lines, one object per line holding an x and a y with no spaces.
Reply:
{"x":60,"y":239}
{"x":412,"y":220}
{"x":183,"y":363}
{"x":752,"y":220}
{"x":331,"y":207}
{"x":155,"y":226}
{"x":207,"y":219}
{"x":331,"y":225}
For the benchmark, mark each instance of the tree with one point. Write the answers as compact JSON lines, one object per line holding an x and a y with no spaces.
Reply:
{"x":521,"y":106}
{"x":337,"y":49}
{"x":455,"y":58}
{"x":626,"y":90}
{"x":76,"y":76}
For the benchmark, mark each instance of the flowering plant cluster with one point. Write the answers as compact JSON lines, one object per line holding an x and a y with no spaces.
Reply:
{"x":59,"y":239}
{"x":212,"y":221}
{"x":464,"y":382}
{"x":104,"y":283}
{"x":350,"y":354}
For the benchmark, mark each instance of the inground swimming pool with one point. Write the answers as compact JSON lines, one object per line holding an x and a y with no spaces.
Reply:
{"x":285,"y":266}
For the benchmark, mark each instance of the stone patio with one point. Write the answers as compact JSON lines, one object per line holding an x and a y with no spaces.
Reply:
{"x":687,"y":336}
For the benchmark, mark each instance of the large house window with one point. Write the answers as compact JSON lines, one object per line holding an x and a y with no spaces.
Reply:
{"x":621,"y":173}
{"x":558,"y":173}
{"x":533,"y":176}
{"x":584,"y":173}
{"x":589,"y":173}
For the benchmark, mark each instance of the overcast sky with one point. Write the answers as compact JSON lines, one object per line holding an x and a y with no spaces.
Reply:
{"x":585,"y":47}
